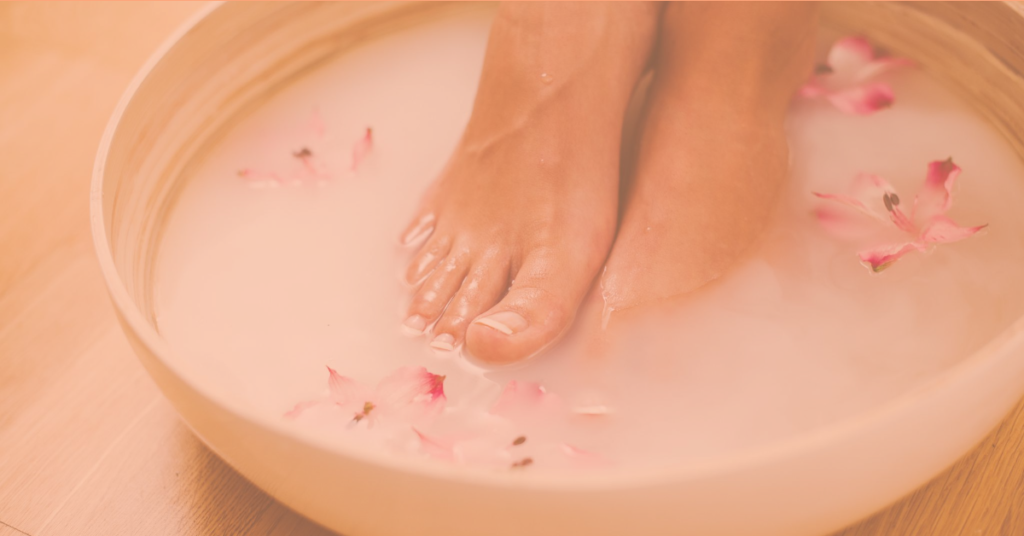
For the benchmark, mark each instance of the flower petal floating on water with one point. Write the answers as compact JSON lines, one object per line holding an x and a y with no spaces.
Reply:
{"x":317,"y":124}
{"x":409,"y":395}
{"x":313,"y":169}
{"x":259,"y":178}
{"x":306,"y":164}
{"x":413,"y":393}
{"x":344,"y":390}
{"x":478,"y":446}
{"x":880,"y":207}
{"x":527,"y":399}
{"x":880,"y":258}
{"x":846,"y":80}
{"x":436,"y":447}
{"x":582,"y":456}
{"x":937,"y":195}
{"x":526,"y":425}
{"x":362,"y":148}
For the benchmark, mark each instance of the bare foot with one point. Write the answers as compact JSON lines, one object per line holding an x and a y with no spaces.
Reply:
{"x":713,"y":153}
{"x":522,"y":218}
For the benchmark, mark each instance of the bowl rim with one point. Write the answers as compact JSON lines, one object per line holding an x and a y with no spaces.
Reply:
{"x":995,"y":352}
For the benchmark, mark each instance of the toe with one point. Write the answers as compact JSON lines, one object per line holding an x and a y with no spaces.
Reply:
{"x":482,"y":288}
{"x":435,"y":293}
{"x":538,"y":308}
{"x":426,"y":259}
{"x":417,"y":231}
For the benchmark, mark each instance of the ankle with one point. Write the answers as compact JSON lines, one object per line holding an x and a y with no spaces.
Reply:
{"x":752,"y":56}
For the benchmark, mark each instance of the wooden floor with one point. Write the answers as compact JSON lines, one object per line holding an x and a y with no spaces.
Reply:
{"x":88,"y":446}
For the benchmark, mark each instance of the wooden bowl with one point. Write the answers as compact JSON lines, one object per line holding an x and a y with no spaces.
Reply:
{"x":232,"y":56}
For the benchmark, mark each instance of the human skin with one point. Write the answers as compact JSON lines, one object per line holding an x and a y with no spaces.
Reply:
{"x":512,"y":235}
{"x":713,"y":153}
{"x":523,"y":216}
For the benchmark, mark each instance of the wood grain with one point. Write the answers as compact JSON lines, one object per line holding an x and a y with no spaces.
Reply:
{"x":87,"y":443}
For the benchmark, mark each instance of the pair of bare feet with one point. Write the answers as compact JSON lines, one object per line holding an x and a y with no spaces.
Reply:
{"x":526,"y":215}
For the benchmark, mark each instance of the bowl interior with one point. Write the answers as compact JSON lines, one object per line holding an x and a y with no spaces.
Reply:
{"x":189,"y":102}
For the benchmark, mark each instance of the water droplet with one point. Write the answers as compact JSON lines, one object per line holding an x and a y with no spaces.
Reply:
{"x":546,"y":78}
{"x":606,"y":315}
{"x":607,"y":310}
{"x":594,"y":410}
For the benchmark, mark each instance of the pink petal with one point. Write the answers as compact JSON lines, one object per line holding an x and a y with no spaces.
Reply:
{"x":575,"y":452}
{"x":872,"y":191}
{"x":844,"y":223}
{"x":255,"y":177}
{"x":862,"y":100}
{"x":902,"y":221}
{"x":867,"y":195}
{"x":435,"y":447}
{"x":942,"y":230}
{"x":582,"y":459}
{"x":300,"y":407}
{"x":880,"y":258}
{"x":307,"y":161}
{"x":410,"y":386}
{"x":937,"y":195}
{"x":526,"y":399}
{"x":344,"y":390}
{"x":316,"y":124}
{"x":849,"y":55}
{"x":851,"y":62}
{"x":482,"y":447}
{"x":849,"y":201}
{"x":871,"y":195}
{"x":879,"y":67}
{"x":870,"y":188}
{"x":362,"y":148}
{"x":312,"y":166}
{"x":812,"y":89}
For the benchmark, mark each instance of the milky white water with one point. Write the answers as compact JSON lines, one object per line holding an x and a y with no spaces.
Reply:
{"x":275,"y":281}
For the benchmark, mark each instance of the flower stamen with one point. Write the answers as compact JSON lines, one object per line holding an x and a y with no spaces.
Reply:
{"x":367,"y":408}
{"x":522,"y":463}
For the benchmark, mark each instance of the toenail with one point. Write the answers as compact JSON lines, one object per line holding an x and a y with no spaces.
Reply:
{"x":506,"y":322}
{"x":444,"y":342}
{"x":414,"y":325}
{"x":422,"y":230}
{"x":421,"y":268}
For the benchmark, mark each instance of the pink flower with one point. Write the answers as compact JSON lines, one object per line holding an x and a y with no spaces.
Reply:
{"x":876,"y":206}
{"x":525,"y":425}
{"x":317,"y":124}
{"x":362,"y":148}
{"x":498,"y":450}
{"x":490,"y":447}
{"x":845,"y":80}
{"x":410,"y":395}
{"x":256,"y":177}
{"x":527,"y":401}
{"x":304,"y":163}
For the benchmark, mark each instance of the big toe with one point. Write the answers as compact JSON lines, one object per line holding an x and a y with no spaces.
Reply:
{"x":538,"y":308}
